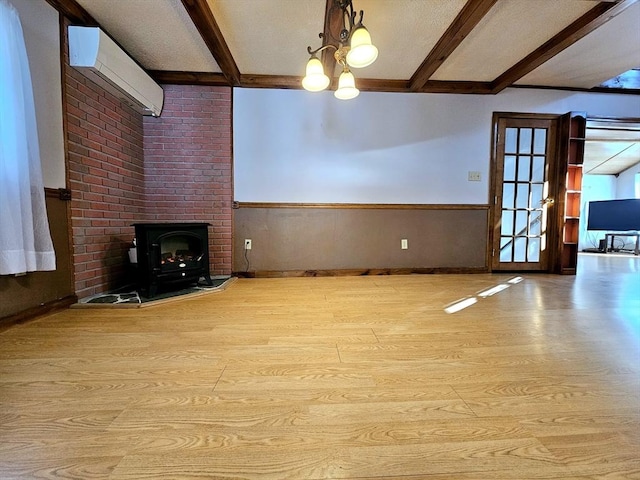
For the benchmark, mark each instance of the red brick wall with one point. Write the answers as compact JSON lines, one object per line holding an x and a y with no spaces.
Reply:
{"x":188,"y":164}
{"x":106,"y":177}
{"x":125,"y":168}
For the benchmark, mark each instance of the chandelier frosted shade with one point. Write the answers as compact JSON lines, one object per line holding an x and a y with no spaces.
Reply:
{"x":315,"y":80}
{"x":362,"y":53}
{"x":351,"y":47}
{"x":346,"y":86}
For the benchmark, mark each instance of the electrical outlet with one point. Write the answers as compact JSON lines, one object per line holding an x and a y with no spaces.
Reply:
{"x":247,"y":244}
{"x":404,"y":244}
{"x":474,"y":176}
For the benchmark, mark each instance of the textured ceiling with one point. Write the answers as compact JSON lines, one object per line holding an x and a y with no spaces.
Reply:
{"x":508,"y":33}
{"x":615,"y":46}
{"x":157,"y":33}
{"x":448,"y":46}
{"x":611,"y":147}
{"x":425,"y":45}
{"x":404,"y":34}
{"x":268,"y":31}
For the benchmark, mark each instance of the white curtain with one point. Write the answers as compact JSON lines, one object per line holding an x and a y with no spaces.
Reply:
{"x":25,"y":241}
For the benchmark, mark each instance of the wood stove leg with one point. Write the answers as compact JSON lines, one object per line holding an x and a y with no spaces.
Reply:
{"x":207,"y":278}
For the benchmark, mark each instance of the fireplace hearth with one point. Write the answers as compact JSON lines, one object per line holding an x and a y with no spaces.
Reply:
{"x":171,"y":255}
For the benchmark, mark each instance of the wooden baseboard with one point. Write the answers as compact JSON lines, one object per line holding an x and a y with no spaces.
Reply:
{"x":38,"y":311}
{"x":357,"y":272}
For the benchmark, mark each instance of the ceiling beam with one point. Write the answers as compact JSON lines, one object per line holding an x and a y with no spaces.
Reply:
{"x":432,"y":86}
{"x":369,"y":84}
{"x":333,"y":19}
{"x":594,"y":18}
{"x":74,"y":12}
{"x":380,"y":85}
{"x":456,"y":87}
{"x":295,"y":82}
{"x":206,"y":24}
{"x":271,"y":81}
{"x":169,"y":77}
{"x":464,"y":23}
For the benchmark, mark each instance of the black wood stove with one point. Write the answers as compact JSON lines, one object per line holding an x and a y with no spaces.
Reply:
{"x":171,"y":254}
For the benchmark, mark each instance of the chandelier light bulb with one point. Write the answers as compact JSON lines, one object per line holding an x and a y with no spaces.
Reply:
{"x":346,"y":86}
{"x":315,"y":79}
{"x":362,"y":53}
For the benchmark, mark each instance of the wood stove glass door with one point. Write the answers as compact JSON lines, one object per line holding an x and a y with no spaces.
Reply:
{"x":180,"y":251}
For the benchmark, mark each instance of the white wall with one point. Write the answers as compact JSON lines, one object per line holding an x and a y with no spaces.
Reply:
{"x":594,"y":188}
{"x":40,"y":25}
{"x":296,"y":146}
{"x":626,"y":182}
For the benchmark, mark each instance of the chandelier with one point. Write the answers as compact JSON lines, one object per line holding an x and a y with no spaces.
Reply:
{"x":354,"y":49}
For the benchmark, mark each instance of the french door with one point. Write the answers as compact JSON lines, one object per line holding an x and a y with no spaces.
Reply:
{"x":524,"y":186}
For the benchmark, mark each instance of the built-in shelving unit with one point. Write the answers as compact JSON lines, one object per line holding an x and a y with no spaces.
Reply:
{"x":572,"y":145}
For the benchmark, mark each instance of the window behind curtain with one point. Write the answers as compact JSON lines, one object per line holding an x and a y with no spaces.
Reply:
{"x":25,"y":241}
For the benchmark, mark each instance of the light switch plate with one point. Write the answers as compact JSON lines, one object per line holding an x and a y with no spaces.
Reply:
{"x":474,"y":176}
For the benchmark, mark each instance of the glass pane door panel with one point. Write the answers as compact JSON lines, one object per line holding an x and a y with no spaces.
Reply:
{"x":520,"y":250}
{"x":506,"y":249}
{"x":508,"y":195}
{"x":509,"y":168}
{"x":522,"y":196}
{"x":536,"y":195}
{"x":533,"y":252}
{"x":507,"y":222}
{"x":526,"y":135}
{"x":510,"y":140}
{"x":537,"y":175}
{"x":524,"y":168}
{"x":521,"y":222}
{"x":540,"y":141}
{"x":535,"y":220}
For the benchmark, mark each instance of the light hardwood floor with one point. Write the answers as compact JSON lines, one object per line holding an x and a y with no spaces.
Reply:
{"x":343,"y":377}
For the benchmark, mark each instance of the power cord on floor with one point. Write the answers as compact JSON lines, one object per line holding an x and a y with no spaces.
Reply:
{"x":246,"y":259}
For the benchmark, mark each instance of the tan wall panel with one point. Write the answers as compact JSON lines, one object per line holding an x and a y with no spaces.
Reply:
{"x":33,"y":290}
{"x":299,"y":238}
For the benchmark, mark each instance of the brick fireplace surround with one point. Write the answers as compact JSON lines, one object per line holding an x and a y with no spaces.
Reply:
{"x":124,"y":168}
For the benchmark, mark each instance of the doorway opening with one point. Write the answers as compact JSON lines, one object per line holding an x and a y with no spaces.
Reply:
{"x":611,"y":172}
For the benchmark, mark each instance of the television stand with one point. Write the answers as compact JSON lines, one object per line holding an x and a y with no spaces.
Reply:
{"x":609,"y":246}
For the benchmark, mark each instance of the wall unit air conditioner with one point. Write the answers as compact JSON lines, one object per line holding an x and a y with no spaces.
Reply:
{"x":101,"y":60}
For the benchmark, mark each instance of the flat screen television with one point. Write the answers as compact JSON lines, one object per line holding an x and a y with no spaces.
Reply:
{"x":614,"y":215}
